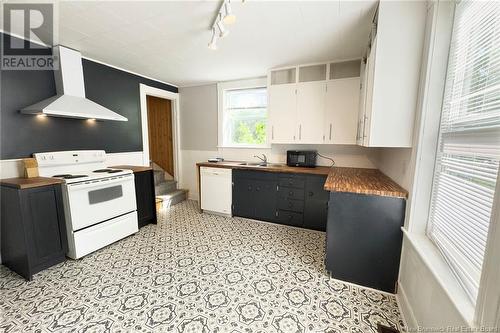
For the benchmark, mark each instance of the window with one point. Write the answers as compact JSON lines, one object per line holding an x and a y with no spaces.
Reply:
{"x":244,"y":116}
{"x":467,"y":160}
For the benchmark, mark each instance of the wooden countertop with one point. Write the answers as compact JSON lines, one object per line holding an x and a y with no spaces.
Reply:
{"x":134,"y":168}
{"x":340,"y":179}
{"x":24,"y":183}
{"x":271,"y":167}
{"x":363,"y":181}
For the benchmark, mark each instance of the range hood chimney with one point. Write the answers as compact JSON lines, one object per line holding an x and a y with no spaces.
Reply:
{"x":70,"y":101}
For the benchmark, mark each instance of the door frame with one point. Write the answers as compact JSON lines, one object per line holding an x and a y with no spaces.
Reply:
{"x":145,"y":91}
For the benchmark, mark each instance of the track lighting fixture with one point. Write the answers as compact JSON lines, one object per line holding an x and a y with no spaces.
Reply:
{"x":213,"y":43}
{"x":229,"y":17}
{"x":223,"y":31}
{"x":224,"y":17}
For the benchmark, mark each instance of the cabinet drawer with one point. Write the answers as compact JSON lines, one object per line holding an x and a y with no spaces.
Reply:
{"x":250,"y":174}
{"x":290,"y":204}
{"x":292,"y":181}
{"x":290,"y":218}
{"x":291,"y":193}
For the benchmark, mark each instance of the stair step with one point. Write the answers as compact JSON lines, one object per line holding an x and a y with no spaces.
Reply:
{"x":173,"y":197}
{"x":165,"y":187}
{"x":159,"y":176}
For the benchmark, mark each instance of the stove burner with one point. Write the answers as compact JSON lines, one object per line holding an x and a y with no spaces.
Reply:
{"x":108,"y":170}
{"x":69,"y":176}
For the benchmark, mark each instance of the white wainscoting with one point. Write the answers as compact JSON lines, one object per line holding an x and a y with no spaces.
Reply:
{"x":14,"y":168}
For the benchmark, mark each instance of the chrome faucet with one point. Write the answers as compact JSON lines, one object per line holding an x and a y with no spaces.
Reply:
{"x":264,"y":160}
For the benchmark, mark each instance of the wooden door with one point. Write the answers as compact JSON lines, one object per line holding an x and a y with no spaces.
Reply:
{"x":161,"y":148}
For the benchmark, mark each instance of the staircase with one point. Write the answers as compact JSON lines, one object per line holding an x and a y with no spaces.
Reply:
{"x":167,"y":190}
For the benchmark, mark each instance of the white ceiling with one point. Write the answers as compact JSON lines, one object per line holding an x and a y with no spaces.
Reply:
{"x":167,"y":40}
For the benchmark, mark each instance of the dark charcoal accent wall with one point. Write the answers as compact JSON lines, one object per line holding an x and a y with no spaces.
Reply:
{"x":21,"y":134}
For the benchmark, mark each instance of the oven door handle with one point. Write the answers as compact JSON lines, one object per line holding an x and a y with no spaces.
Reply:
{"x":94,"y":183}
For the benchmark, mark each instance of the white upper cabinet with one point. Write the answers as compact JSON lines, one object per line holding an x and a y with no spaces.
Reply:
{"x":342,"y":100}
{"x":303,"y":98}
{"x":311,"y":103}
{"x":282,"y":105}
{"x":310,"y":112}
{"x":389,"y":101}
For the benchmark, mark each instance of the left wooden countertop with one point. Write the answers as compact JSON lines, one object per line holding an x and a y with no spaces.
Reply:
{"x":24,"y":183}
{"x":134,"y":168}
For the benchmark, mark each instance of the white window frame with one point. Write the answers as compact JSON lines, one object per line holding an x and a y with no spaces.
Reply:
{"x":233,"y":85}
{"x":434,"y":67}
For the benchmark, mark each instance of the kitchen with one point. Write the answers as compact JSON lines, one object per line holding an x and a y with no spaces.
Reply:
{"x":179,"y":170}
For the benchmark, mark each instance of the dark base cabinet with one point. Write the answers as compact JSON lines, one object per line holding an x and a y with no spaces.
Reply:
{"x":286,"y":198}
{"x":363,"y":239}
{"x":145,"y":197}
{"x":254,"y":194}
{"x":33,"y":229}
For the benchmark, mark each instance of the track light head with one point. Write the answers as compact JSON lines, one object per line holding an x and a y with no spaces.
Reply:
{"x":223,"y":31}
{"x":229,"y":18}
{"x":213,"y":42}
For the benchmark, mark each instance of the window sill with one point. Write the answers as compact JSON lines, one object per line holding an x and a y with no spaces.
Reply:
{"x":245,"y":147}
{"x":434,"y":261}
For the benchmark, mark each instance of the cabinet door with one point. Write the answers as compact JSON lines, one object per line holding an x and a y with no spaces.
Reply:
{"x":282,"y":113}
{"x":311,"y":98}
{"x":362,"y":102}
{"x":370,"y":77}
{"x":265,"y":199}
{"x":316,"y":203}
{"x":45,"y":225}
{"x":341,"y":116}
{"x":243,"y":197}
{"x":145,"y":197}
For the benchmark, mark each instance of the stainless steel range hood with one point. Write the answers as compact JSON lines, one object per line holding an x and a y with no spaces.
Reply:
{"x":70,"y":101}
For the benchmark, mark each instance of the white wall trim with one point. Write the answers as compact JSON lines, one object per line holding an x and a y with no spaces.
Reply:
{"x":442,"y":274}
{"x":146,"y":90}
{"x":405,"y":308}
{"x":239,"y":84}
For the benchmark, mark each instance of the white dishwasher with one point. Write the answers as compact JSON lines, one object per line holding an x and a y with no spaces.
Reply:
{"x":216,"y":190}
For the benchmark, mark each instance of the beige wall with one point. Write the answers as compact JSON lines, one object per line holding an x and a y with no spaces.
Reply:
{"x":198,"y":117}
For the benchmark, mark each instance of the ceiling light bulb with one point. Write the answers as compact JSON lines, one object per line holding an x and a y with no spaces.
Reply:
{"x":213,"y":43}
{"x":229,"y":18}
{"x":222,"y":29}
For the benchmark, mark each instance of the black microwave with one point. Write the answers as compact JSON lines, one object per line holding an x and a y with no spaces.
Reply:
{"x":301,"y":158}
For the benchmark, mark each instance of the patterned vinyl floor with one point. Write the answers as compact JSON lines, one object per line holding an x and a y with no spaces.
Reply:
{"x":196,"y":273}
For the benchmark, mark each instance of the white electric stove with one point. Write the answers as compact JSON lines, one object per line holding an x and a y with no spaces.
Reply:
{"x":99,"y":202}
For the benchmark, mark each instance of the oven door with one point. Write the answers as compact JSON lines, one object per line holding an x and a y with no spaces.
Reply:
{"x":100,"y":200}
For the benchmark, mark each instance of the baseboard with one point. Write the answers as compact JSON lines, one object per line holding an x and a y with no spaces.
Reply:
{"x":405,"y":308}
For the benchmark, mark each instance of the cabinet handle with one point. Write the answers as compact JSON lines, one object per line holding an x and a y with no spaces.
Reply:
{"x":311,"y":193}
{"x":272,"y":132}
{"x":330,"y":131}
{"x":300,"y":132}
